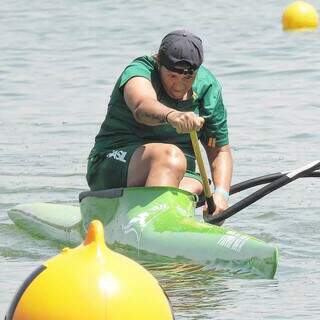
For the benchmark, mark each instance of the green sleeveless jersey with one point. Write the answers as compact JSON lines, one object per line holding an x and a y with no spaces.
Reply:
{"x":120,"y":129}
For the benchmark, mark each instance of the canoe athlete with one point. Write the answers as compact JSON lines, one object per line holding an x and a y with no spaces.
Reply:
{"x":156,"y":102}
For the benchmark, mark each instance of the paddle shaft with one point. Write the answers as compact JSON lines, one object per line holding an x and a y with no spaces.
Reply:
{"x":204,"y":177}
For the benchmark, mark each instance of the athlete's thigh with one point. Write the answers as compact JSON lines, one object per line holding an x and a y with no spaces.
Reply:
{"x":140,"y":163}
{"x":146,"y":155}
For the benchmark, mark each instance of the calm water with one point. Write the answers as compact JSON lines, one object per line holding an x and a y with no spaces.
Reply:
{"x":58,"y":63}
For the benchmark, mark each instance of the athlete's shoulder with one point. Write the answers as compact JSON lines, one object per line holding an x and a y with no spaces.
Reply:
{"x":204,"y":80}
{"x":148,"y":62}
{"x":205,"y":76}
{"x":144,"y":66}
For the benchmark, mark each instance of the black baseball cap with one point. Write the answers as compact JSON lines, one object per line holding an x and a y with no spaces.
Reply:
{"x":181,"y":51}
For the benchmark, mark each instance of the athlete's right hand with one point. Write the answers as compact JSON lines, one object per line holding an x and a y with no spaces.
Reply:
{"x":185,"y":122}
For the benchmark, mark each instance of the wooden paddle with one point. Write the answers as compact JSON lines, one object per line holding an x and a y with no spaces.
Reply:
{"x":204,"y":177}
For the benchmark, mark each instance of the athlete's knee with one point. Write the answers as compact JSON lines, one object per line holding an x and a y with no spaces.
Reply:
{"x":172,"y":157}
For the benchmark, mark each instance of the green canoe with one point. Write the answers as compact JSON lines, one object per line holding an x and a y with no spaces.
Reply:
{"x":156,"y":220}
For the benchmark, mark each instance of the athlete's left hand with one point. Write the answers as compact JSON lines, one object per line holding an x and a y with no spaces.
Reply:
{"x":221,"y":204}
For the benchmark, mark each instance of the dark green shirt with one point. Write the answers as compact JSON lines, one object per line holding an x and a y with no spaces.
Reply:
{"x":120,"y":129}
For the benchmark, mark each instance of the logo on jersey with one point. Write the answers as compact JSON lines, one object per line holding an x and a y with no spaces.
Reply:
{"x":117,"y":155}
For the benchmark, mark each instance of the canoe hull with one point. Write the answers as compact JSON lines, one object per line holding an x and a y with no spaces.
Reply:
{"x":162,"y":221}
{"x":155,"y":220}
{"x":50,"y":221}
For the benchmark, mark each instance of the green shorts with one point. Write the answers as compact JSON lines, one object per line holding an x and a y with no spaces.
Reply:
{"x":109,"y":169}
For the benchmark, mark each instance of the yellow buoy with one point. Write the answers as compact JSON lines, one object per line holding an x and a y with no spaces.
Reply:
{"x":90,"y":282}
{"x":300,"y":15}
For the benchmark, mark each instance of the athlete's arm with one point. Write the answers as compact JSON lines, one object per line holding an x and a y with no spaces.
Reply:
{"x":221,"y":165}
{"x":141,"y":99}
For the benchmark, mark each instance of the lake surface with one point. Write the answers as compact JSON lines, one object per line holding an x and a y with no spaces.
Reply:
{"x":58,"y":63}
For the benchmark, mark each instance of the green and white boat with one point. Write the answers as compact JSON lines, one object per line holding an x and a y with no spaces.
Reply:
{"x":151,"y":220}
{"x":161,"y":221}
